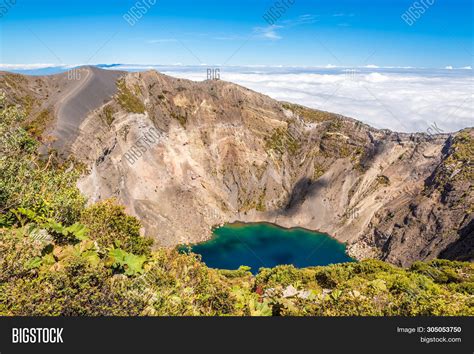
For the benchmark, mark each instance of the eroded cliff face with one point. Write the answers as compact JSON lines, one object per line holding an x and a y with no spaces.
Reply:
{"x":186,"y":156}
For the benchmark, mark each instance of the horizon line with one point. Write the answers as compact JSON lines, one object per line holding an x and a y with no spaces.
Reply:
{"x":42,"y":66}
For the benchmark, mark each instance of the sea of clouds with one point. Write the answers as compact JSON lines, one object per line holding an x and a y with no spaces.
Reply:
{"x":400,"y":99}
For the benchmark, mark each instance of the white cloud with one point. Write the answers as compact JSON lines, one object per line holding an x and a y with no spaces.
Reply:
{"x":301,"y":20}
{"x":232,"y":37}
{"x":449,"y":67}
{"x":406,"y":100}
{"x":268,"y":32}
{"x":25,"y":66}
{"x":341,"y":14}
{"x":161,"y":40}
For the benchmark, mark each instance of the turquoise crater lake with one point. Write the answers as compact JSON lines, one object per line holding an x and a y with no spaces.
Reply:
{"x":265,"y":245}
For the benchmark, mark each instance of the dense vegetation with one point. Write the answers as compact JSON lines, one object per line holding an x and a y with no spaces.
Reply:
{"x":59,"y":257}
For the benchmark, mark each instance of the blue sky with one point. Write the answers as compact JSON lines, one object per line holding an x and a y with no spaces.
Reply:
{"x":309,"y":33}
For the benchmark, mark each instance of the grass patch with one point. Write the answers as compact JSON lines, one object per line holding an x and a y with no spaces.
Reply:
{"x":282,"y":141}
{"x":180,"y":118}
{"x":129,"y":100}
{"x":383,"y":180}
{"x":107,"y":115}
{"x":319,"y":170}
{"x":309,"y":115}
{"x":38,"y":125}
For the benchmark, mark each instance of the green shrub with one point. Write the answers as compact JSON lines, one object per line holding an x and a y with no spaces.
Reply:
{"x":109,"y":225}
{"x":77,"y":289}
{"x":29,"y":182}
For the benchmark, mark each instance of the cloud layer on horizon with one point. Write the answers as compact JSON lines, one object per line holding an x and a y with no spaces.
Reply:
{"x":406,"y":102}
{"x":400,"y":99}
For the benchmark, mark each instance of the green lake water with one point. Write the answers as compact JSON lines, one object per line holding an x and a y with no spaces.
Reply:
{"x":266,"y":245}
